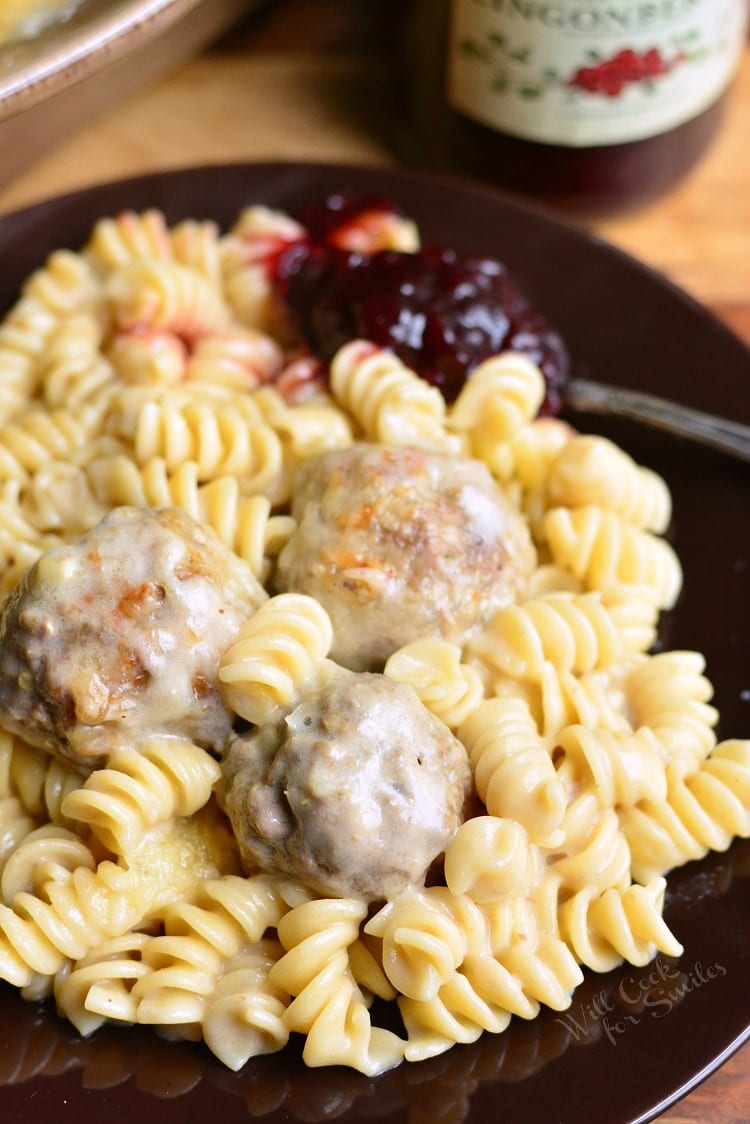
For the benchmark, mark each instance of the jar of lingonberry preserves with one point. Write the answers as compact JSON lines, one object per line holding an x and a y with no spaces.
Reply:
{"x":594,"y":105}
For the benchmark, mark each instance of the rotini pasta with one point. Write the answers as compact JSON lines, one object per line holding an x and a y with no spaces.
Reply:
{"x":23,"y":336}
{"x":569,"y":767}
{"x":74,"y":910}
{"x":574,"y":631}
{"x":513,"y":770}
{"x":73,"y":372}
{"x":165,"y":296}
{"x":669,"y":693}
{"x":391,"y":404}
{"x":623,"y":768}
{"x":259,"y":233}
{"x":450,"y":689}
{"x":558,"y":699}
{"x":201,"y":937}
{"x":218,"y":441}
{"x":39,"y":781}
{"x":263,"y":672}
{"x":239,"y":360}
{"x":603,"y":550}
{"x":595,"y":852}
{"x":244,"y":1015}
{"x":197,"y":245}
{"x":65,"y":285}
{"x":502,"y":394}
{"x":591,"y":471}
{"x":99,"y":985}
{"x":164,"y":777}
{"x":603,"y":929}
{"x":489,"y":857}
{"x":38,"y":437}
{"x":129,"y":237}
{"x":327,"y":1005}
{"x":426,"y":936}
{"x":706,"y":807}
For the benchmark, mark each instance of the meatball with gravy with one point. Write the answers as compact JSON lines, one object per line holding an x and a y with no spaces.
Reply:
{"x":357,"y":793}
{"x":399,"y":543}
{"x":119,"y":635}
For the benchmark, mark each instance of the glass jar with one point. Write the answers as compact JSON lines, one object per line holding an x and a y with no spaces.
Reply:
{"x":593,"y":105}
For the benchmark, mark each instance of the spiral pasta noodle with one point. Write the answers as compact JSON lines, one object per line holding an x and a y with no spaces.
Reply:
{"x":706,"y":807}
{"x":391,"y":404}
{"x":426,"y":936}
{"x":487,"y":990}
{"x":596,"y":850}
{"x":513,"y":770}
{"x":38,"y":437}
{"x":489,"y":857}
{"x":559,"y":699}
{"x":23,"y":335}
{"x":574,"y":631}
{"x":592,"y":471}
{"x":450,"y":689}
{"x":73,"y":372}
{"x":163,"y":778}
{"x":200,"y":938}
{"x":603,"y":550}
{"x":165,"y":295}
{"x":176,"y":976}
{"x":603,"y":929}
{"x":276,"y":648}
{"x":327,"y":1005}
{"x":238,"y":359}
{"x":99,"y":985}
{"x":65,"y":285}
{"x":128,"y":237}
{"x":244,"y":1016}
{"x":74,"y":910}
{"x":622,"y":768}
{"x":40,"y":782}
{"x":15,"y":825}
{"x":197,"y":245}
{"x":217,"y":440}
{"x":259,"y":233}
{"x":669,"y":693}
{"x":47,"y":852}
{"x":502,"y":394}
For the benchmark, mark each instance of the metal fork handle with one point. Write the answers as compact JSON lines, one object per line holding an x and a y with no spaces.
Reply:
{"x":681,"y":421}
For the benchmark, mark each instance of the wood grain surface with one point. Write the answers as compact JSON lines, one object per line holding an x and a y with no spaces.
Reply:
{"x":312,"y":80}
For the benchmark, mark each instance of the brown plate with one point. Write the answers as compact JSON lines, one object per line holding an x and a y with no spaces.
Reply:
{"x":634,"y":1040}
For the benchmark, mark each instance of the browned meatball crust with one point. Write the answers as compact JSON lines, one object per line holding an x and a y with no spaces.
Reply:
{"x":357,"y":795}
{"x":120,"y":634}
{"x":399,"y":543}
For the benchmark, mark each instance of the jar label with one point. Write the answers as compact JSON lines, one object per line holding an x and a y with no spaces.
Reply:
{"x":591,"y":72}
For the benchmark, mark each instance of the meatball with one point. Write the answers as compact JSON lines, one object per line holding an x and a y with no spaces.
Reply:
{"x":120,"y":634}
{"x":399,"y":543}
{"x":356,"y":795}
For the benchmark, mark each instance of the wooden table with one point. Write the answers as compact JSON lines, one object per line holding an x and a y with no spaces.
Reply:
{"x":305,"y":80}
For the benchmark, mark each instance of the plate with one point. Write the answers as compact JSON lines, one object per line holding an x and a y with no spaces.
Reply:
{"x":634,"y":1040}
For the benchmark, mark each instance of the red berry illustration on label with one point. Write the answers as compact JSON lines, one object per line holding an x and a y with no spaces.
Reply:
{"x":610,"y":76}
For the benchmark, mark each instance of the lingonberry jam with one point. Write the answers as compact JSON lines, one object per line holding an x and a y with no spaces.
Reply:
{"x":440,"y":312}
{"x":335,"y":218}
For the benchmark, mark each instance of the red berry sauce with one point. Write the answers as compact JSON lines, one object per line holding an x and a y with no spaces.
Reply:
{"x":440,"y":312}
